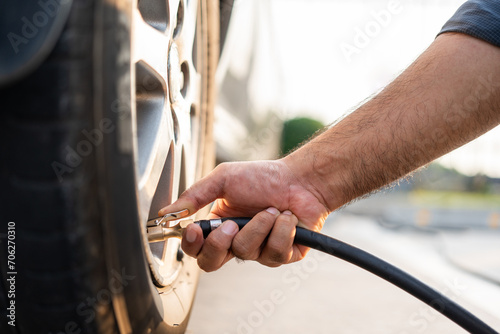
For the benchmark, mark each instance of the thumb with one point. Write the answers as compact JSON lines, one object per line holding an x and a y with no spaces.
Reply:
{"x":199,"y":194}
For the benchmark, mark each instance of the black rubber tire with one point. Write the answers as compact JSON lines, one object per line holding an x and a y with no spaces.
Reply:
{"x":57,"y":265}
{"x":62,"y":226}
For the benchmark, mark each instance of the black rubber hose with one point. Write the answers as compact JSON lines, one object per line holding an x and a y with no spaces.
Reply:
{"x":208,"y":225}
{"x":382,"y":269}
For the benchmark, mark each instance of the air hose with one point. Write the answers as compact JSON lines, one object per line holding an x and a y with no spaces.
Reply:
{"x":378,"y":267}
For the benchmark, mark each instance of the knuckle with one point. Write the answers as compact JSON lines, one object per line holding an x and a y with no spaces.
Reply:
{"x":276,"y":253}
{"x":221,"y":168}
{"x":262,"y":225}
{"x":206,"y":265}
{"x":190,"y":252}
{"x":216,"y":244}
{"x":289,"y":220}
{"x":270,"y":264}
{"x":241,"y":250}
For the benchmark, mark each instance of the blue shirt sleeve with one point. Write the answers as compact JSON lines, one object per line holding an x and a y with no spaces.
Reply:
{"x":477,"y":18}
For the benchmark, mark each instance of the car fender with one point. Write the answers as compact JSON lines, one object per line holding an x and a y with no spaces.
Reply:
{"x":30,"y":31}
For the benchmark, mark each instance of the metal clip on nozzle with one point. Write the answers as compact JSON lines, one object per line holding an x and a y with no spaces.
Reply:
{"x":168,"y":217}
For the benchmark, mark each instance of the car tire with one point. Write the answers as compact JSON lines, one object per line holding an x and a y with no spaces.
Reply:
{"x":92,"y":143}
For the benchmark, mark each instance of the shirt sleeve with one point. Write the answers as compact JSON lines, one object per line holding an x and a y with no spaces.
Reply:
{"x":477,"y":18}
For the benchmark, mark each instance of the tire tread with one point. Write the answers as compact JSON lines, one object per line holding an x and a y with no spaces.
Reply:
{"x":59,"y":241}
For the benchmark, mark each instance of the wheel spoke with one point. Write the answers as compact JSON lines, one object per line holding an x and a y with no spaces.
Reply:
{"x":150,"y":46}
{"x":153,"y":119}
{"x":186,"y":36}
{"x":168,"y":95}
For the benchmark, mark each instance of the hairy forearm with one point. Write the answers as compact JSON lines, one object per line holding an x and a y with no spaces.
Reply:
{"x":447,"y":97}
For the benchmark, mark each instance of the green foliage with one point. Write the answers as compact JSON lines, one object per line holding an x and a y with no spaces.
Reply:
{"x":297,"y":131}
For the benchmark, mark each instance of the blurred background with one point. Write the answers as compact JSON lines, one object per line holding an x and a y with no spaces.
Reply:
{"x":292,"y":66}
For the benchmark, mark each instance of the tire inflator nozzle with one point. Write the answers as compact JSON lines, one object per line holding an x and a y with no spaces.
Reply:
{"x":157,"y":231}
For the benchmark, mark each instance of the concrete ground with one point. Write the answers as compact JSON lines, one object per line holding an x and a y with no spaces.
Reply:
{"x":322,"y":294}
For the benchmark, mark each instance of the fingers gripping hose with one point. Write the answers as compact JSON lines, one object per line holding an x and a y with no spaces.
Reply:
{"x":376,"y":266}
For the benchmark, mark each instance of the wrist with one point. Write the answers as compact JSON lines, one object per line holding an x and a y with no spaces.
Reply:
{"x":320,"y":172}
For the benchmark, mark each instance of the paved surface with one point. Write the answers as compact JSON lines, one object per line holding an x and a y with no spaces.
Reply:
{"x":322,"y":294}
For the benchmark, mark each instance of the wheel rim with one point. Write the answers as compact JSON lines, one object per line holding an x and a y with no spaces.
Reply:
{"x":169,"y":125}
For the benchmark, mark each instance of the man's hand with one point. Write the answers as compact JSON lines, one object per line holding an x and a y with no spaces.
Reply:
{"x":447,"y":97}
{"x":265,"y":190}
